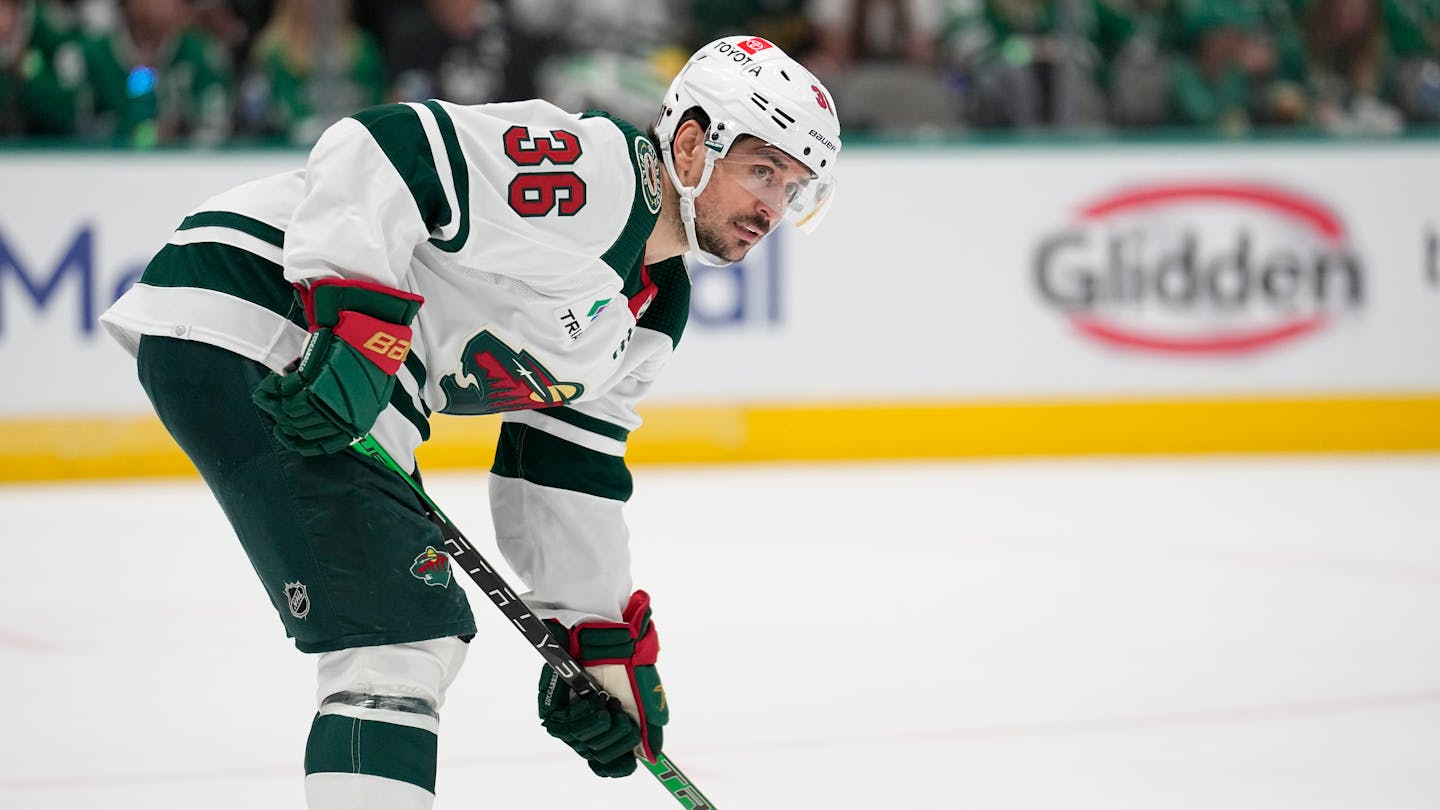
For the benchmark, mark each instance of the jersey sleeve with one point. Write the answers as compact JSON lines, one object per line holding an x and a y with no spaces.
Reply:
{"x":374,"y":190}
{"x":560,"y":482}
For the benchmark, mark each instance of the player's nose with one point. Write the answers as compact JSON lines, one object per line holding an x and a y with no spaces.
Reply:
{"x":769,"y":210}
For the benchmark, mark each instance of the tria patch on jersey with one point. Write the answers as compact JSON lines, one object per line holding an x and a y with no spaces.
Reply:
{"x":574,"y":323}
{"x":494,"y":377}
{"x":598,"y":307}
{"x":648,"y":164}
{"x":570,"y":322}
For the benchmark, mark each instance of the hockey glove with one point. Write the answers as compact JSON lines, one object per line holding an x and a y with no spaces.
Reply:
{"x":359,"y":336}
{"x":621,"y":656}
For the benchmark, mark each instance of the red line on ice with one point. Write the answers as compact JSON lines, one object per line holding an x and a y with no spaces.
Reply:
{"x":8,"y":639}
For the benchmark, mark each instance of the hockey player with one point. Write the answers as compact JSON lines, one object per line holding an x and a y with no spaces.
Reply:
{"x":430,"y":257}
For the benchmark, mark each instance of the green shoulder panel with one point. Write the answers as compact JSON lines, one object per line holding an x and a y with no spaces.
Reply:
{"x":397,"y":130}
{"x":625,"y":254}
{"x":670,"y":310}
{"x":459,"y":175}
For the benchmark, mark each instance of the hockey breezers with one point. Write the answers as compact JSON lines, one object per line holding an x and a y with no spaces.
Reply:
{"x":530,"y":626}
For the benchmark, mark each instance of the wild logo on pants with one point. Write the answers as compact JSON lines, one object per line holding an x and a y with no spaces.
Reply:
{"x":432,"y":567}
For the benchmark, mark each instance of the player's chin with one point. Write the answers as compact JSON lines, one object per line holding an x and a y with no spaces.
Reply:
{"x":738,"y":251}
{"x":729,"y":249}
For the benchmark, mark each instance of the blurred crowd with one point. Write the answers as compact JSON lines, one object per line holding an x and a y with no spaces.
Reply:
{"x":149,"y":72}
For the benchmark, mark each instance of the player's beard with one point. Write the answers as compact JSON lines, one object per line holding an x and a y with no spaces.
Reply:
{"x":714,"y":237}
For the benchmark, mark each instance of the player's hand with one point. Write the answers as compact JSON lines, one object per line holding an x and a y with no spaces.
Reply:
{"x":359,"y":337}
{"x":621,"y":656}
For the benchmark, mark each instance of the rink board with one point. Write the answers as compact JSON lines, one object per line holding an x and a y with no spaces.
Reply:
{"x":959,"y":301}
{"x":122,"y":447}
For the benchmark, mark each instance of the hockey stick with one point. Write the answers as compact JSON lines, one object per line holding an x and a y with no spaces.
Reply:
{"x":530,"y":625}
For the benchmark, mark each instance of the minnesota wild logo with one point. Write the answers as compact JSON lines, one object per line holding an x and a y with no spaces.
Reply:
{"x":432,"y":567}
{"x":649,"y":165}
{"x":494,"y":377}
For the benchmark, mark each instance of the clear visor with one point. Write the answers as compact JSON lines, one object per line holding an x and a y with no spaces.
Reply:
{"x":782,"y":183}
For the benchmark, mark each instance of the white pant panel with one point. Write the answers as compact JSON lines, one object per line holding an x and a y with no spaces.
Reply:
{"x":360,"y":791}
{"x":419,"y":669}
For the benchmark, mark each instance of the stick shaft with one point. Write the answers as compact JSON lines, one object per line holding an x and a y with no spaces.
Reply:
{"x":464,"y":554}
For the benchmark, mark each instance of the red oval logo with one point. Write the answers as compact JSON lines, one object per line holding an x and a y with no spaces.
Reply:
{"x":1200,"y":268}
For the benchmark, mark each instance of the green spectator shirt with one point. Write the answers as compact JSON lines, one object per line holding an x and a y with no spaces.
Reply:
{"x":1413,"y":27}
{"x":296,"y":104}
{"x":184,"y":97}
{"x":42,"y":76}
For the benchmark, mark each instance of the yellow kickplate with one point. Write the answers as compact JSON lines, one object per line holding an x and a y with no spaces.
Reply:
{"x":123,"y":447}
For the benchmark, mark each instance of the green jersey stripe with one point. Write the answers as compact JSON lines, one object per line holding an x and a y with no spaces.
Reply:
{"x":230,"y":270}
{"x":629,"y":248}
{"x":397,"y":130}
{"x":533,"y":455}
{"x":573,"y":417}
{"x":226,"y":269}
{"x":459,"y":174}
{"x":340,"y":744}
{"x":401,"y":401}
{"x":239,"y":222}
{"x":417,"y":369}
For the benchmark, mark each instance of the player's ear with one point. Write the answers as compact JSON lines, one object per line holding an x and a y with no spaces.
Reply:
{"x":689,"y":151}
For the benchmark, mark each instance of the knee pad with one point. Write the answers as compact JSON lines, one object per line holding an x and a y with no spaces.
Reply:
{"x":394,"y":683}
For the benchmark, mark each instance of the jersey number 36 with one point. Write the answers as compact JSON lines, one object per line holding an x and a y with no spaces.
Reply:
{"x":537,"y":193}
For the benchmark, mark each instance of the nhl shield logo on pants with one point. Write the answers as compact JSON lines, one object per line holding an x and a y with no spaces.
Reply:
{"x":298,"y":599}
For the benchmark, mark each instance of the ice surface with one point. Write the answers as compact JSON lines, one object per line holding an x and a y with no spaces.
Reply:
{"x":1155,"y":634}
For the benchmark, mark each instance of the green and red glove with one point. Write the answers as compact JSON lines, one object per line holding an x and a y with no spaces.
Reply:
{"x":359,"y":337}
{"x":621,"y":656}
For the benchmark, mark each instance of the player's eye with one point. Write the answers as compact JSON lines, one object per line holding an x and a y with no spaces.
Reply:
{"x":763,"y":173}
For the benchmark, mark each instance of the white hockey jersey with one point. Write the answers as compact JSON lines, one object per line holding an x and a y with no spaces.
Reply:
{"x":523,"y":227}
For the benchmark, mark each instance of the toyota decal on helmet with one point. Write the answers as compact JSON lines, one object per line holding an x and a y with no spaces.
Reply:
{"x":748,"y":86}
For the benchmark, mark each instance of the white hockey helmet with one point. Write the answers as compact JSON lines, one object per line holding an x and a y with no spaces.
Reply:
{"x":748,"y":86}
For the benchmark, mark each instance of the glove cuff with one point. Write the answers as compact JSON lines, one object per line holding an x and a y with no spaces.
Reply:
{"x":622,"y":657}
{"x":327,"y":299}
{"x":372,"y":318}
{"x":631,"y":641}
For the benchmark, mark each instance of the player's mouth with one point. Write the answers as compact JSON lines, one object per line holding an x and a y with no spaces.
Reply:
{"x":750,"y":232}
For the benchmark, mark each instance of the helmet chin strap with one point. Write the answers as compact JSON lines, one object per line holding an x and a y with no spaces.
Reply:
{"x":687,"y":202}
